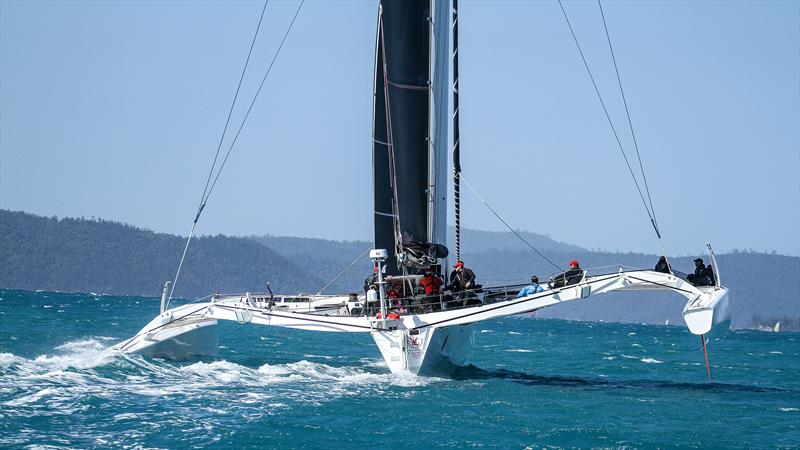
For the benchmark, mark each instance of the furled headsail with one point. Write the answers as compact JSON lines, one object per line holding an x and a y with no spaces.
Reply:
{"x":410,"y":132}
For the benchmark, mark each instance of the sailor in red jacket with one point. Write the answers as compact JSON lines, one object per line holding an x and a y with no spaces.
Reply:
{"x":431,"y":282}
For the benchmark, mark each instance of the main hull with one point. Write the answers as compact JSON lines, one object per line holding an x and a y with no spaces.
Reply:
{"x":429,"y":352}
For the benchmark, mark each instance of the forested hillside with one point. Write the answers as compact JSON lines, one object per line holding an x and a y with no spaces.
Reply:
{"x":108,"y":257}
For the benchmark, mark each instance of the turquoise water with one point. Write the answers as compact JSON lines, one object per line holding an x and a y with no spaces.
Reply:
{"x":533,"y":383}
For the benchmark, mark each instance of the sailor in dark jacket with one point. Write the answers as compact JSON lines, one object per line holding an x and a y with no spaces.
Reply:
{"x":662,"y":265}
{"x":461,"y":278}
{"x":371,"y":279}
{"x":573,"y":276}
{"x":699,"y":277}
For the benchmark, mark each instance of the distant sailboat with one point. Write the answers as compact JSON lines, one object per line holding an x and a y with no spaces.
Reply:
{"x":426,"y":334}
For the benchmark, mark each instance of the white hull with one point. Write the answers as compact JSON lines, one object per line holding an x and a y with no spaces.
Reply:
{"x":176,"y":340}
{"x":430,"y":352}
{"x":425,"y":344}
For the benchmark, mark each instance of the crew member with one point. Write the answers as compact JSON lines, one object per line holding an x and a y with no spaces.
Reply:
{"x":431,"y":282}
{"x":662,"y":265}
{"x":396,"y":291}
{"x":461,"y":278}
{"x":699,"y":277}
{"x":533,"y":288}
{"x":371,"y":279}
{"x":372,"y":299}
{"x":396,"y":300}
{"x":572,"y":276}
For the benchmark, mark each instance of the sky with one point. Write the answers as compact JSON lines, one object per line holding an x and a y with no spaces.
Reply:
{"x":114,"y":110}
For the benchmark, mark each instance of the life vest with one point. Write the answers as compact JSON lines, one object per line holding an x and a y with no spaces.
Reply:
{"x":431,"y":283}
{"x":388,"y":316}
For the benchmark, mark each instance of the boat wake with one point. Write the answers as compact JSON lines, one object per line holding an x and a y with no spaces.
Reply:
{"x":62,"y":383}
{"x":472,"y":372}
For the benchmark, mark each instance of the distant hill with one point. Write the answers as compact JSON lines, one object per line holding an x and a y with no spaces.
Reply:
{"x":326,"y":258}
{"x":109,"y":257}
{"x":481,"y":241}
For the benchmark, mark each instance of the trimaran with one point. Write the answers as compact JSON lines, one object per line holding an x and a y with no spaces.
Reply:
{"x":416,"y":49}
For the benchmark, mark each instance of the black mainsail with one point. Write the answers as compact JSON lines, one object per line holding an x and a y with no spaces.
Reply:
{"x":409,"y":217}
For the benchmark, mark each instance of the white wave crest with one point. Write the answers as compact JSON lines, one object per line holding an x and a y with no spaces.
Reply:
{"x":651,"y":361}
{"x":352,"y":375}
{"x":222,"y":372}
{"x":83,"y":354}
{"x":8,"y":359}
{"x":318,"y":356}
{"x":87,"y":368}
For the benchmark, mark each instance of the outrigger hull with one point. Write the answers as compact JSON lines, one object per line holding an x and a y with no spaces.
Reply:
{"x":171,"y":336}
{"x":425,"y":344}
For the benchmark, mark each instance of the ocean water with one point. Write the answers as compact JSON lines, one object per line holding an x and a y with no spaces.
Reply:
{"x":533,"y":383}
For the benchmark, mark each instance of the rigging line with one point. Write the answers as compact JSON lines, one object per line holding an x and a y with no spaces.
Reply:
{"x":255,"y":97}
{"x":610,"y":122}
{"x":627,"y":112}
{"x":216,"y":155}
{"x":180,"y":264}
{"x":507,"y":225}
{"x":343,"y":271}
{"x":230,"y":112}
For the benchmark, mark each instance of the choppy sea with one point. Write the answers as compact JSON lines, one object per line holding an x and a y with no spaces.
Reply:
{"x":533,"y":383}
